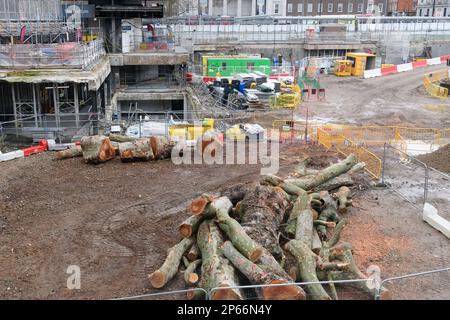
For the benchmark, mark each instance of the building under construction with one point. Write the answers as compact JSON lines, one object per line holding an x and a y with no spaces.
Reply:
{"x":69,"y":67}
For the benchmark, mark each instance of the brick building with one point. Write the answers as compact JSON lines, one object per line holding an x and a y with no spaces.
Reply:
{"x":335,"y":7}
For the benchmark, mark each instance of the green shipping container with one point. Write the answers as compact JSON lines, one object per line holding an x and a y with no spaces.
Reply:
{"x":233,"y":66}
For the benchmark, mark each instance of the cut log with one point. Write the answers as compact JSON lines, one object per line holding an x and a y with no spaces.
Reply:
{"x":328,"y":214}
{"x":310,"y":182}
{"x":170,"y":266}
{"x":138,"y":150}
{"x":316,"y":242}
{"x":307,"y":269}
{"x":357,"y":167}
{"x":69,"y":153}
{"x":279,"y":182}
{"x":120,"y":138}
{"x":198,"y":206}
{"x":300,"y":204}
{"x":190,"y":276}
{"x":343,"y":199}
{"x":193,"y":253}
{"x":257,"y":276}
{"x":116,"y":147}
{"x":235,"y":231}
{"x":235,"y":193}
{"x":216,"y":270}
{"x":333,"y":184}
{"x":190,"y":226}
{"x":97,"y":149}
{"x":305,"y":227}
{"x":343,"y":253}
{"x":161,"y":147}
{"x":264,"y":209}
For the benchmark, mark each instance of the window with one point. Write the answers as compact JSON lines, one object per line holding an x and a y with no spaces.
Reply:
{"x":310,"y":7}
{"x":380,"y":7}
{"x":350,"y":7}
{"x":330,"y":7}
{"x":360,"y":7}
{"x":445,"y":12}
{"x":340,"y":7}
{"x":320,"y":7}
{"x":277,"y":8}
{"x":428,"y":12}
{"x":289,"y":7}
{"x":250,"y":66}
{"x":224,"y":66}
{"x":300,"y":7}
{"x":420,"y":12}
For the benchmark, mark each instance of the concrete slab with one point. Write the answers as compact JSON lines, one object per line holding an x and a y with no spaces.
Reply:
{"x":431,"y":216}
{"x":94,"y":77}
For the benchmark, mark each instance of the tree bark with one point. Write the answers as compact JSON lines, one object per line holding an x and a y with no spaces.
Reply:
{"x":235,"y":231}
{"x":275,"y":181}
{"x":307,"y":269}
{"x":161,"y":147}
{"x":190,"y":226}
{"x":138,"y":150}
{"x":190,"y":276}
{"x":343,"y":196}
{"x":97,"y":149}
{"x":69,"y":153}
{"x":263,"y":210}
{"x":310,"y":182}
{"x":300,"y":204}
{"x":120,"y":138}
{"x":258,"y":276}
{"x":193,"y":253}
{"x":160,"y":277}
{"x":216,"y":269}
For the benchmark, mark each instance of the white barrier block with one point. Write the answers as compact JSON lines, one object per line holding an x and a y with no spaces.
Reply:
{"x":372,"y":73}
{"x":434,"y":61}
{"x":431,"y":216}
{"x":404,"y":67}
{"x":11,"y":155}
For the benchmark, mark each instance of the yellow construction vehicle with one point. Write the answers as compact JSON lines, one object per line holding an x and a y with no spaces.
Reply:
{"x":343,"y":68}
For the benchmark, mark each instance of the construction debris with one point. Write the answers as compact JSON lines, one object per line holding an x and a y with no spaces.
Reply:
{"x":276,"y":225}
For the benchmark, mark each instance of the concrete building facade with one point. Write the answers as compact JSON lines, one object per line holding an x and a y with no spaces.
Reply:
{"x":402,"y":7}
{"x":335,"y":7}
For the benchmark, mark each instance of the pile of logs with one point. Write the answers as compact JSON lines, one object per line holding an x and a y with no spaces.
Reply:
{"x":278,"y":231}
{"x":98,"y":149}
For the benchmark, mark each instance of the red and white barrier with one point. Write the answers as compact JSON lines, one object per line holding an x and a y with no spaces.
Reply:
{"x":380,"y":72}
{"x":25,"y":152}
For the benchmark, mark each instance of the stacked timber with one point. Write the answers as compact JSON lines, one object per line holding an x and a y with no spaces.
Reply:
{"x":273,"y":234}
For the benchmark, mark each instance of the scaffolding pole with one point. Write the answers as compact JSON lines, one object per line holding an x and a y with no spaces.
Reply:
{"x":35,"y":106}
{"x":77,"y":105}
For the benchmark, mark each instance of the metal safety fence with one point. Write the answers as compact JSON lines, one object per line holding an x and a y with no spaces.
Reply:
{"x":372,"y":288}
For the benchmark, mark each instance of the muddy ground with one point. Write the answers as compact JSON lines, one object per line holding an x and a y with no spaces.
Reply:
{"x":398,"y":99}
{"x":116,"y":221}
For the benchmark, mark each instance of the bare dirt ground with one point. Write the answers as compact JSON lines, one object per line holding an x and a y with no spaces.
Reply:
{"x":116,"y":221}
{"x":398,"y":99}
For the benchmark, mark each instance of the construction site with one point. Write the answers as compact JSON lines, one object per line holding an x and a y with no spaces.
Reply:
{"x":151,"y":153}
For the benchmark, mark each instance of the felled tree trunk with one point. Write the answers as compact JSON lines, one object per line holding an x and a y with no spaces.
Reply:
{"x":190,"y":276}
{"x":161,"y":147}
{"x":170,"y":266}
{"x":190,"y":226}
{"x":306,"y":264}
{"x":328,"y":214}
{"x":235,"y":231}
{"x":216,"y":269}
{"x":288,"y":187}
{"x":263,"y":212}
{"x":343,"y":199}
{"x":69,"y":153}
{"x":300,"y":204}
{"x":120,"y":138}
{"x":138,"y":150}
{"x":97,"y":149}
{"x":310,"y":182}
{"x":193,"y":253}
{"x":257,"y":276}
